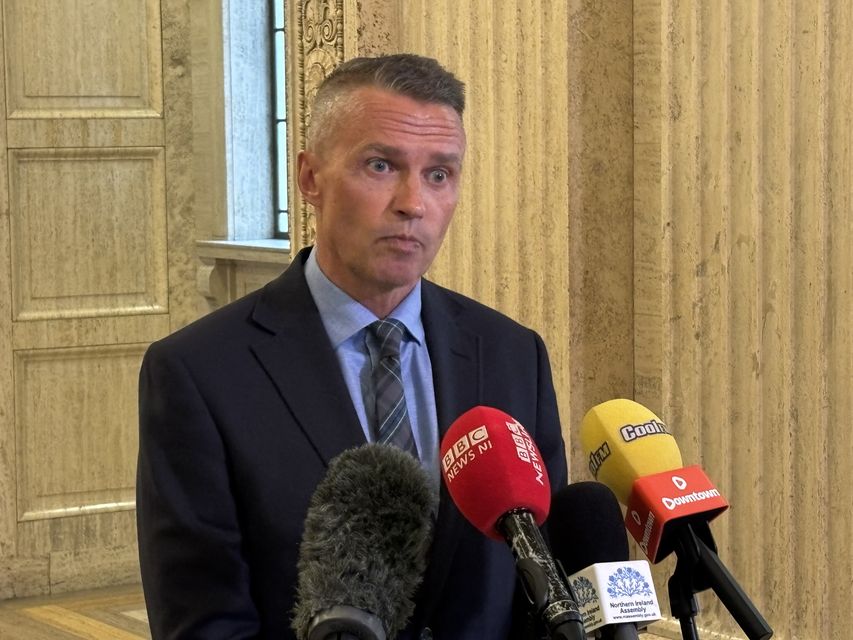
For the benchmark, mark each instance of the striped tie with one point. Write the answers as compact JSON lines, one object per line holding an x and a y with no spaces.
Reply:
{"x":392,"y":417}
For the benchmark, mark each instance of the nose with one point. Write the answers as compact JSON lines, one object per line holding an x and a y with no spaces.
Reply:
{"x":409,"y":196}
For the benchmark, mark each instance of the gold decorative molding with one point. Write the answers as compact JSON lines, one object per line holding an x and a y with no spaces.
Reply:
{"x":323,"y":36}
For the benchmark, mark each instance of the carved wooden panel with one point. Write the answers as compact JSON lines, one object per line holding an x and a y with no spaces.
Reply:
{"x":92,"y":167}
{"x":88,"y":232}
{"x":73,"y":456}
{"x":94,"y":59}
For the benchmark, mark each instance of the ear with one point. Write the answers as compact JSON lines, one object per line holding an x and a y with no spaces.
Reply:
{"x":306,"y":176}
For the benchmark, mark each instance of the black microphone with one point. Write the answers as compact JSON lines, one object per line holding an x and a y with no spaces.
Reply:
{"x":363,"y":553}
{"x":589,"y":540}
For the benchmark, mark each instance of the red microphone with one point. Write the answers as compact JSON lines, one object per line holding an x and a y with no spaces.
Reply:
{"x":492,"y":466}
{"x":496,"y":477}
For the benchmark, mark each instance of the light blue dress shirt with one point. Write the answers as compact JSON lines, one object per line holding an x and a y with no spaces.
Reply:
{"x":345,"y":321}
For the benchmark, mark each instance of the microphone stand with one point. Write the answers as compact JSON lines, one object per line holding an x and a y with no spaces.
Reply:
{"x":698,"y":568}
{"x":682,"y":601}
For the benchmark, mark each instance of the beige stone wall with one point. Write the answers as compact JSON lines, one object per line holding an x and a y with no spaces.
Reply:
{"x":509,"y":241}
{"x":743,"y":285}
{"x":546,"y":203}
{"x":697,"y":258}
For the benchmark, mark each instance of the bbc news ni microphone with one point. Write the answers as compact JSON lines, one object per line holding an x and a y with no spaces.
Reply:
{"x":495,"y":476}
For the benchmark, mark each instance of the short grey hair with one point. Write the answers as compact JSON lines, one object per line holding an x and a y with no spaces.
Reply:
{"x":417,"y":77}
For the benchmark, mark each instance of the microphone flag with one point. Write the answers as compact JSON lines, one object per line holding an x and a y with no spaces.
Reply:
{"x":661,"y":498}
{"x":610,"y":593}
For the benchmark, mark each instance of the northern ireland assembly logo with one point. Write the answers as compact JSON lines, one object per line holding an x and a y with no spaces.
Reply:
{"x":626,"y":582}
{"x":614,"y":592}
{"x":584,"y":590}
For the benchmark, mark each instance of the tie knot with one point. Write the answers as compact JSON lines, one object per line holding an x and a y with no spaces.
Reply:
{"x":388,"y":334}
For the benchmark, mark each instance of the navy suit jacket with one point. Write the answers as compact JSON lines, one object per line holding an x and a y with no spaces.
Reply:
{"x":240,"y":414}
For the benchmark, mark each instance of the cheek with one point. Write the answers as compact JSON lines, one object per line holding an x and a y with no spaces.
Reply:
{"x":446,"y":209}
{"x":347,"y":209}
{"x":360,"y":204}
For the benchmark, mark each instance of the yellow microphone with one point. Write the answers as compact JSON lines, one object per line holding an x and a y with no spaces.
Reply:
{"x":623,"y":441}
{"x":632,"y":451}
{"x":668,"y":507}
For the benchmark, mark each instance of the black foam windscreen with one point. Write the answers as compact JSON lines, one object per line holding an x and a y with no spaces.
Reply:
{"x":586,"y":527}
{"x":367,"y":533}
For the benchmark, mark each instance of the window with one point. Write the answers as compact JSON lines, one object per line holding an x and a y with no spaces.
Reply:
{"x":253,"y":88}
{"x":241,"y":133}
{"x":280,"y":149}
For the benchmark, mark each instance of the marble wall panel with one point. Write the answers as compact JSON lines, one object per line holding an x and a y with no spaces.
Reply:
{"x":74,"y":457}
{"x":743,"y":337}
{"x":88,"y":232}
{"x":116,"y":74}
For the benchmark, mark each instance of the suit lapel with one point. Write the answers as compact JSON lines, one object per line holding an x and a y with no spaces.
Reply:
{"x":302,"y":364}
{"x":454,"y":356}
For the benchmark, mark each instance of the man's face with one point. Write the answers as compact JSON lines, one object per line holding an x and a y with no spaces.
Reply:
{"x":384,"y":182}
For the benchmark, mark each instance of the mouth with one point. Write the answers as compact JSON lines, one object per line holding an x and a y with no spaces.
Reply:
{"x":403,"y":241}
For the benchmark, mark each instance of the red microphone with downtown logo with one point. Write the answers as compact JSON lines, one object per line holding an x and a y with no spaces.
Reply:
{"x":663,"y":498}
{"x":668,"y":510}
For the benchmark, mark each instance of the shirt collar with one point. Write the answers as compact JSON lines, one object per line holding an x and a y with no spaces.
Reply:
{"x":343,"y":316}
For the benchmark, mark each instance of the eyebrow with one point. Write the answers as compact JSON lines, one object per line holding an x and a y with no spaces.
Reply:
{"x":394,"y":152}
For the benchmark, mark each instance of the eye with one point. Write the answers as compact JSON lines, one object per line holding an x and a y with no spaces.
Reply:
{"x":438,"y":176}
{"x":379,"y":165}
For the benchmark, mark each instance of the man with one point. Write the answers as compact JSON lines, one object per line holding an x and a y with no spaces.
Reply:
{"x":241,"y":411}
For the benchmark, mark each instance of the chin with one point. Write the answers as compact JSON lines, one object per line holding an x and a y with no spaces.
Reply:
{"x":398,"y":273}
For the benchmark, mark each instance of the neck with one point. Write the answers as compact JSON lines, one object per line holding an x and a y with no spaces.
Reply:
{"x":383,"y":305}
{"x":381,"y":300}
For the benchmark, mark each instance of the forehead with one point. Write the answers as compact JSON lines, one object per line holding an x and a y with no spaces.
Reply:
{"x":370,"y":115}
